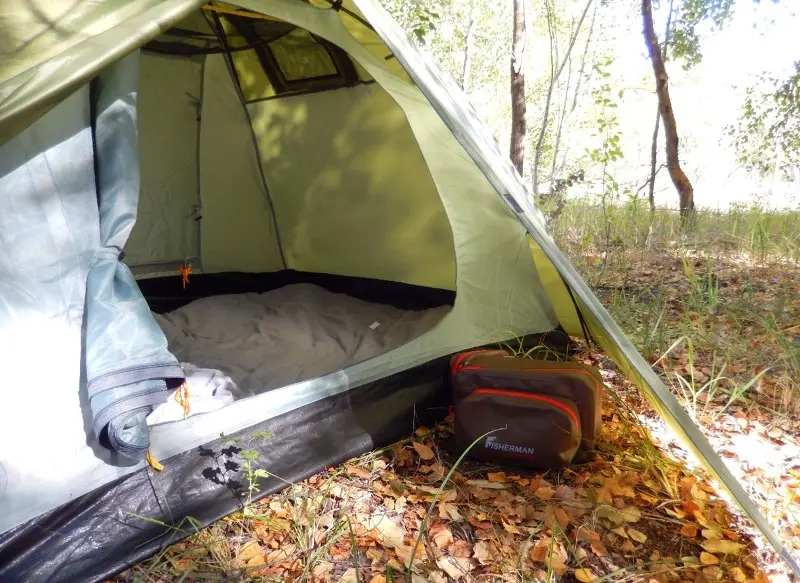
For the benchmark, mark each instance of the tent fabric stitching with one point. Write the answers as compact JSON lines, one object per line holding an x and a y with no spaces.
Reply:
{"x":235,"y":79}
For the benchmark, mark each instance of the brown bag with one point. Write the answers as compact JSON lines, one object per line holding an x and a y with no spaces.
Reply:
{"x":544,"y":410}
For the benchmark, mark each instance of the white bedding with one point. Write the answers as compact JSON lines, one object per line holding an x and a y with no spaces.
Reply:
{"x":294,"y":333}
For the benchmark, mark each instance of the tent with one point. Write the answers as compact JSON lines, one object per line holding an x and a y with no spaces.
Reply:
{"x":279,"y":204}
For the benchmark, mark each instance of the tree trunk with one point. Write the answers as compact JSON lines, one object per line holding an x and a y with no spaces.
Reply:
{"x":651,"y":196}
{"x":518,"y":87}
{"x":654,"y":146}
{"x":676,"y":173}
{"x":469,"y":41}
{"x":554,"y":75}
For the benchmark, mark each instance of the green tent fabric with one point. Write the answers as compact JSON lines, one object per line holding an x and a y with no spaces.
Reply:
{"x":272,"y":145}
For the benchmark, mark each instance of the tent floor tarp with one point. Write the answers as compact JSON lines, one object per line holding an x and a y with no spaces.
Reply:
{"x":200,"y":484}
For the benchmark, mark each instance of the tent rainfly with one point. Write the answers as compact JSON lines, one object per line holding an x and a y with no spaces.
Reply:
{"x":342,"y":224}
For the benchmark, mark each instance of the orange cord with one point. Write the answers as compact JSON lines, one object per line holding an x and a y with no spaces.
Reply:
{"x":182,"y":397}
{"x":185,"y":271}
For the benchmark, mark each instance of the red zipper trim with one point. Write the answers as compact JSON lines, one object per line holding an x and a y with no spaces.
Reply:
{"x":580,"y":370}
{"x":532,"y":397}
{"x":461,"y":358}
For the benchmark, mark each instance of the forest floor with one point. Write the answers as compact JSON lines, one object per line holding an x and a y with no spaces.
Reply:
{"x":639,"y":508}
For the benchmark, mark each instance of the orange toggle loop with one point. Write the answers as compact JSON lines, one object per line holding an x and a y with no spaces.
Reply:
{"x":182,"y":397}
{"x":185,"y":271}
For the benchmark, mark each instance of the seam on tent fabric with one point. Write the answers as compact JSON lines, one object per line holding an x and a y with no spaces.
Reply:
{"x":145,"y":398}
{"x":586,"y":334}
{"x":310,"y":91}
{"x":127,"y":376}
{"x":199,"y":211}
{"x":217,"y":26}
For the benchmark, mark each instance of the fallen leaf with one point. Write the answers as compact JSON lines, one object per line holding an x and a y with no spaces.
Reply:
{"x":499,"y":477}
{"x":558,"y":566}
{"x":598,"y":548}
{"x":404,"y":554}
{"x":349,"y":576}
{"x":486,"y":484}
{"x":423,"y":451}
{"x":584,"y":575}
{"x":483,"y":552}
{"x":610,"y":513}
{"x":443,"y":537}
{"x":630,"y":514}
{"x":637,"y":535}
{"x":450,"y":511}
{"x":737,"y":574}
{"x":627,"y":546}
{"x":510,"y":527}
{"x":249,"y":550}
{"x":456,"y":567}
{"x":689,"y":529}
{"x":322,"y":569}
{"x":620,"y":530}
{"x":544,"y":493}
{"x":708,"y":559}
{"x":378,"y":579}
{"x":182,"y":564}
{"x":722,"y":546}
{"x":389,"y":533}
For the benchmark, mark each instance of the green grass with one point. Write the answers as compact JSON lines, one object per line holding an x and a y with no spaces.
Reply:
{"x":729,"y":286}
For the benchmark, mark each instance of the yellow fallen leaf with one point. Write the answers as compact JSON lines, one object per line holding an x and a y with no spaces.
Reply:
{"x":630,"y":514}
{"x":510,"y":527}
{"x":544,"y":493}
{"x":249,"y":550}
{"x":708,"y":559}
{"x":422,"y":431}
{"x":584,"y":575}
{"x":637,"y":535}
{"x":722,"y":546}
{"x":499,"y":477}
{"x":737,"y":574}
{"x":710,"y":533}
{"x":558,"y":566}
{"x":153,"y":462}
{"x":620,"y":530}
{"x":610,"y":513}
{"x":378,"y":579}
{"x":423,"y":451}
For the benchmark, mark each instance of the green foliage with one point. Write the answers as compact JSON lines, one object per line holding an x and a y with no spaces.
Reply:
{"x":767,"y":136}
{"x":684,"y":42}
{"x":418,"y":17}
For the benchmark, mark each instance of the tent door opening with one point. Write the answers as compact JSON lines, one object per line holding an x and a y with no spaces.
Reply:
{"x":309,"y":249}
